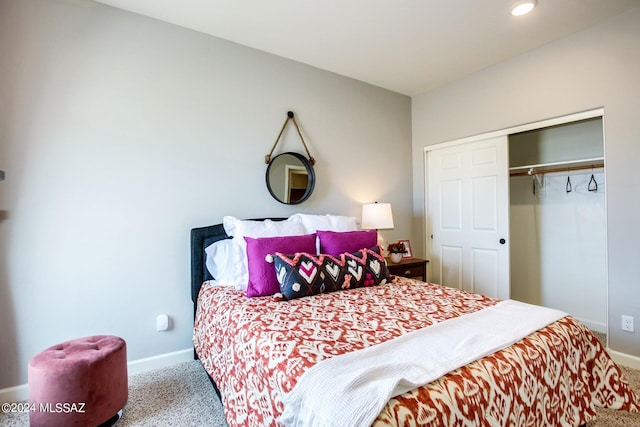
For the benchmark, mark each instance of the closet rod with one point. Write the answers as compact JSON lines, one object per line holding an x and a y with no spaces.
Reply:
{"x":566,"y":169}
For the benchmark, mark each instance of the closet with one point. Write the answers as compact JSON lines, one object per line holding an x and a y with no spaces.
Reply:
{"x":557,"y":219}
{"x":520,"y":213}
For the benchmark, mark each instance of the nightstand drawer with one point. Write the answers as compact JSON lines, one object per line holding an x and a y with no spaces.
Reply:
{"x":411,"y":267}
{"x":409,"y":271}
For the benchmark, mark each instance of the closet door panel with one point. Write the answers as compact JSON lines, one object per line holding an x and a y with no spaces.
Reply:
{"x":451,"y":162}
{"x":485,"y":156}
{"x":484,"y":271}
{"x":468,"y":206}
{"x":451,"y":266}
{"x":484,"y":201}
{"x":451,"y":205}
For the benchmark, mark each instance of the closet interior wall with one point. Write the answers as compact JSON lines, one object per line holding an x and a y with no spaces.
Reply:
{"x":558,"y":246}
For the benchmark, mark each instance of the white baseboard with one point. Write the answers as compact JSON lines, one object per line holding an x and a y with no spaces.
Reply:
{"x":594,"y":326}
{"x":14,"y":394}
{"x":159,"y":361}
{"x":21,"y":392}
{"x":625,"y":359}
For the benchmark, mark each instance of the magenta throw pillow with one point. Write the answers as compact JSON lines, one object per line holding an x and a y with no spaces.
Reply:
{"x":335,"y":243}
{"x":262,"y":276}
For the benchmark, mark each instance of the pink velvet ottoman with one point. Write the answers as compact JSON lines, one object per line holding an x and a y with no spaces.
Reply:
{"x":82,"y":382}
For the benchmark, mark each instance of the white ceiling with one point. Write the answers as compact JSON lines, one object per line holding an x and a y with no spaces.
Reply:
{"x":407,"y":46}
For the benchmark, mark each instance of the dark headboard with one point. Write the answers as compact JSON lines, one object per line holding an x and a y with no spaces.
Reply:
{"x":201,"y":238}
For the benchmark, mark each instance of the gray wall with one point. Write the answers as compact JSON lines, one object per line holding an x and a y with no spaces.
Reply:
{"x":119,"y":133}
{"x":598,"y":67}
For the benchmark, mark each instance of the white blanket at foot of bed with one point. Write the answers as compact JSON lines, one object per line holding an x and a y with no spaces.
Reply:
{"x":351,"y":389}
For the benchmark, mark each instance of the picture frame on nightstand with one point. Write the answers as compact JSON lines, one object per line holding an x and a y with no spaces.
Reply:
{"x":407,"y":249}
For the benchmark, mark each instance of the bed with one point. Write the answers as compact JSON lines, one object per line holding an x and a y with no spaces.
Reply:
{"x":257,"y":350}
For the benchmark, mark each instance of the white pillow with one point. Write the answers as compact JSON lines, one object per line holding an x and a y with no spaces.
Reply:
{"x":224,"y":262}
{"x":313,"y":223}
{"x":239,"y":228}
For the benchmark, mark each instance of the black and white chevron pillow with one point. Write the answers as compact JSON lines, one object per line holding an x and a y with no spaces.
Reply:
{"x":303,"y":274}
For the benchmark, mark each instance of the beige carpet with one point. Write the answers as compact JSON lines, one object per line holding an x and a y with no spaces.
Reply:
{"x":183,"y":396}
{"x":611,"y":418}
{"x":179,"y":396}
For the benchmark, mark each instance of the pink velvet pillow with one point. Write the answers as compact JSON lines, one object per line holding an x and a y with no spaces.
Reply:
{"x":334,"y":243}
{"x":262,"y":275}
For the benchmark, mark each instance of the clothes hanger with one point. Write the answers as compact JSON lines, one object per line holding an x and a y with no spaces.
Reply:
{"x":593,"y":184}
{"x":533,"y":179}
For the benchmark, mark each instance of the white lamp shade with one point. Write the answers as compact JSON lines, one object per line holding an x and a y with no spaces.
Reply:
{"x":377,"y":216}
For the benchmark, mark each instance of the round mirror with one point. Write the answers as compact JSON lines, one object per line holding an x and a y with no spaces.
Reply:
{"x":290,"y":178}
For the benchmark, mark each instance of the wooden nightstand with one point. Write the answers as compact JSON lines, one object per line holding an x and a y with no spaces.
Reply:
{"x":409,"y":267}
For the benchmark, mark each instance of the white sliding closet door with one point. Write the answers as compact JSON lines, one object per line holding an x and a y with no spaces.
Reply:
{"x":468,"y":207}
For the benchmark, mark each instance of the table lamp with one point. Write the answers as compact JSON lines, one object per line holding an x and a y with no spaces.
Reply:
{"x":377,"y":216}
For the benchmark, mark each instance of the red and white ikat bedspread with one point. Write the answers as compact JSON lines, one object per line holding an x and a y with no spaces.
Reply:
{"x":256,"y":348}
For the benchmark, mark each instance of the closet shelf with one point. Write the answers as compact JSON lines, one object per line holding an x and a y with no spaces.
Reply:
{"x":593,"y":163}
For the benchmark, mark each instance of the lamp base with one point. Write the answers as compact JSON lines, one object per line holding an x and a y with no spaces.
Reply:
{"x":382,"y":243}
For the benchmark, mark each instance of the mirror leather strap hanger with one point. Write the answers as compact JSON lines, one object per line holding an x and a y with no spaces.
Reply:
{"x":290,"y":116}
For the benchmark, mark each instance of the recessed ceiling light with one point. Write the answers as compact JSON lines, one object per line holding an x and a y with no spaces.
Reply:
{"x":523,"y":7}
